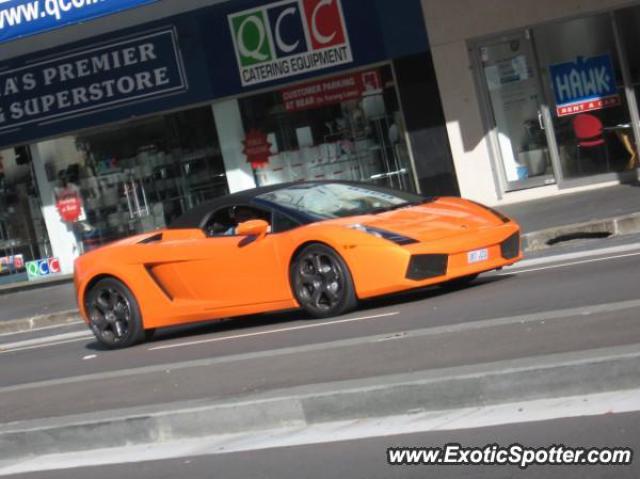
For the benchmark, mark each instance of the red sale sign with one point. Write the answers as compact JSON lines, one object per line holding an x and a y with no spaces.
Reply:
{"x":70,"y":207}
{"x":331,"y":91}
{"x":257,"y":148}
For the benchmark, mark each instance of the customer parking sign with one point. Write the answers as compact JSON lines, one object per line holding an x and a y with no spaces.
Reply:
{"x":289,"y":38}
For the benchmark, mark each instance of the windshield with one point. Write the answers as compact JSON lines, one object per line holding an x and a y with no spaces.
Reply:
{"x":337,"y":200}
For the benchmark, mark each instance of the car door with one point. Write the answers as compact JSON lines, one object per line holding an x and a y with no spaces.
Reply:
{"x":225,"y":270}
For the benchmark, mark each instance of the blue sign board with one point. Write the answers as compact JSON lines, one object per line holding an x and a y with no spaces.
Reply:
{"x":123,"y":71}
{"x":585,"y":84}
{"x":190,"y":58}
{"x":19,"y":18}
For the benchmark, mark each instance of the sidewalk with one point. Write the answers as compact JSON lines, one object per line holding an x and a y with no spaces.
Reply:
{"x":603,"y":212}
{"x":585,"y":207}
{"x":26,"y":285}
{"x":45,"y":304}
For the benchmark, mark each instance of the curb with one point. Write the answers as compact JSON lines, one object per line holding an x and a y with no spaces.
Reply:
{"x":39,"y":322}
{"x":616,"y":226}
{"x":29,"y":285}
{"x":551,"y":376}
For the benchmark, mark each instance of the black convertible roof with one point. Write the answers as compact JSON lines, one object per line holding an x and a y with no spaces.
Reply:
{"x":198,"y":216}
{"x":195,"y":217}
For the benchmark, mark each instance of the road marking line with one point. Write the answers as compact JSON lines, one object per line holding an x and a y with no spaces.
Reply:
{"x":43,"y":328}
{"x":341,"y":343}
{"x":577,"y":255}
{"x":460,"y":419}
{"x":273,"y":331}
{"x":41,"y":346}
{"x":564,"y":265}
{"x":46,"y":339}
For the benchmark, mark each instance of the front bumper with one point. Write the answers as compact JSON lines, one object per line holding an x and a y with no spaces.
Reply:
{"x":425,"y":264}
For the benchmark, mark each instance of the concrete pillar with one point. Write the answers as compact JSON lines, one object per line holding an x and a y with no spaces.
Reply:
{"x":63,"y":241}
{"x":230,"y":135}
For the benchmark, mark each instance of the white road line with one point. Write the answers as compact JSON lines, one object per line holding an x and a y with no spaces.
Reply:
{"x":85,"y":334}
{"x":266,"y":355}
{"x":273,"y":331}
{"x":43,"y":328}
{"x":577,"y":255}
{"x":487,"y":416}
{"x":565,"y":265}
{"x":42,"y":346}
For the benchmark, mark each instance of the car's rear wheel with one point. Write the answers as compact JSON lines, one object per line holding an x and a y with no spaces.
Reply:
{"x":321,"y":282}
{"x":114,"y":315}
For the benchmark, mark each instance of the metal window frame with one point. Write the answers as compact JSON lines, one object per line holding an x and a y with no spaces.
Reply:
{"x":503,"y":186}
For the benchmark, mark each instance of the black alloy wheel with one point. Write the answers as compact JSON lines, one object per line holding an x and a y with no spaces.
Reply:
{"x":114,"y":315}
{"x":322,"y":283}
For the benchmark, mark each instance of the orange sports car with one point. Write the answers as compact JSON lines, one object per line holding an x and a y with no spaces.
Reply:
{"x":319,"y":246}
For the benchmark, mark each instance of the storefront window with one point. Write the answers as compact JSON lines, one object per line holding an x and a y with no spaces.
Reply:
{"x":515,"y":95}
{"x":342,"y":128}
{"x":628,"y":21}
{"x":583,"y":77}
{"x":23,"y":235}
{"x":134,"y":178}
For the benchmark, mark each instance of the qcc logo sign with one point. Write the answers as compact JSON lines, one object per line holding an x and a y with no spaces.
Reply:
{"x":289,"y":38}
{"x":43,"y":268}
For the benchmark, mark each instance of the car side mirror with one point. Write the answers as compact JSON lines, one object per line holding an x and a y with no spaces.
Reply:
{"x":258,"y":228}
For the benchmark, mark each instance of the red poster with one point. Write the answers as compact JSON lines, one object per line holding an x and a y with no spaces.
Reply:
{"x":69,"y":206}
{"x":331,"y":91}
{"x":257,"y":148}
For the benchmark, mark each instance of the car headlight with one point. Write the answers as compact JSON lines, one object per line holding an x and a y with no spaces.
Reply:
{"x":384,"y":234}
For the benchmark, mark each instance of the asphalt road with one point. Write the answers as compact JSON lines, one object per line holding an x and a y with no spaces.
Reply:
{"x":393,"y":335}
{"x":45,"y":300}
{"x":367,"y":458}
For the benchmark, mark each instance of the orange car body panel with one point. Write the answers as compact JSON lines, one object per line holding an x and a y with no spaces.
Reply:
{"x":182,"y":276}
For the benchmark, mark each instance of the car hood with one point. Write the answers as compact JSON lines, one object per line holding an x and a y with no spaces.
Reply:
{"x":436,"y":220}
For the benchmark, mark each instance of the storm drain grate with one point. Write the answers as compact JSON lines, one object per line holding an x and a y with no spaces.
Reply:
{"x":585,"y":235}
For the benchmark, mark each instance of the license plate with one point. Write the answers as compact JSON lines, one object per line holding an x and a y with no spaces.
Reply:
{"x":478,"y":256}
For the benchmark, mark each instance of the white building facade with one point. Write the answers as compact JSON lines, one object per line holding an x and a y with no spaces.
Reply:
{"x":540,"y":96}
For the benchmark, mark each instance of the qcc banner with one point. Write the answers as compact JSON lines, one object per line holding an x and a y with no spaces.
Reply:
{"x":119,"y":73}
{"x":19,"y":18}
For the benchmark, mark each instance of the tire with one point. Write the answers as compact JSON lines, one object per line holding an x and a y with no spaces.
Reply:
{"x":321,"y":282}
{"x":459,"y":283}
{"x":114,"y":314}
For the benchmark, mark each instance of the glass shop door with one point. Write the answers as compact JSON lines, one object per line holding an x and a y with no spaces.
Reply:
{"x":513,"y":92}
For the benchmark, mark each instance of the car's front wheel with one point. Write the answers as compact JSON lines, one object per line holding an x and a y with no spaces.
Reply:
{"x":322,"y":283}
{"x":114,"y":315}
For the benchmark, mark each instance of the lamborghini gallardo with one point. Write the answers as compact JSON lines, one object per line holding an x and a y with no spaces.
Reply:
{"x":318,"y":246}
